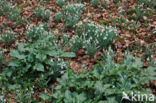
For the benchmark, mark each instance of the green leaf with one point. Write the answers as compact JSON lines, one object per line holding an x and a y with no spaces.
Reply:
{"x":39,"y":67}
{"x":60,"y":53}
{"x":14,"y":63}
{"x":53,"y":53}
{"x":138,"y":63}
{"x":100,"y":87}
{"x":151,"y":73}
{"x":68,"y":54}
{"x":44,"y":96}
{"x":68,"y":94}
{"x":81,"y":98}
{"x":21,"y":47}
{"x":13,"y":87}
{"x":41,"y":56}
{"x":15,"y":53}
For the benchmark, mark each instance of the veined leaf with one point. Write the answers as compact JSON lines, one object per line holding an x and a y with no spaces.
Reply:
{"x":44,"y":96}
{"x":68,"y":54}
{"x":39,"y":67}
{"x":15,"y":53}
{"x":14,"y":63}
{"x":53,"y":53}
{"x":59,"y":53}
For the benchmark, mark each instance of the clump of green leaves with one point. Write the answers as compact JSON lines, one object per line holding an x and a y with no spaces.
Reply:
{"x":8,"y":38}
{"x":46,"y":15}
{"x":34,"y":32}
{"x":58,"y":17}
{"x":76,"y":43}
{"x":40,"y":13}
{"x":14,"y":14}
{"x":93,"y":37}
{"x":60,"y":3}
{"x":4,"y":8}
{"x":94,"y":3}
{"x":139,"y":11}
{"x":32,"y":63}
{"x":71,"y":14}
{"x":102,"y":84}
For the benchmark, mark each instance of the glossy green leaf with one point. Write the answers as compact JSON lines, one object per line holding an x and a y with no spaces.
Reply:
{"x":38,"y":67}
{"x":44,"y":96}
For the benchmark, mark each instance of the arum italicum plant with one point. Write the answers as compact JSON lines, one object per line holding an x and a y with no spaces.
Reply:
{"x":104,"y":83}
{"x":93,"y":37}
{"x":40,"y":60}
